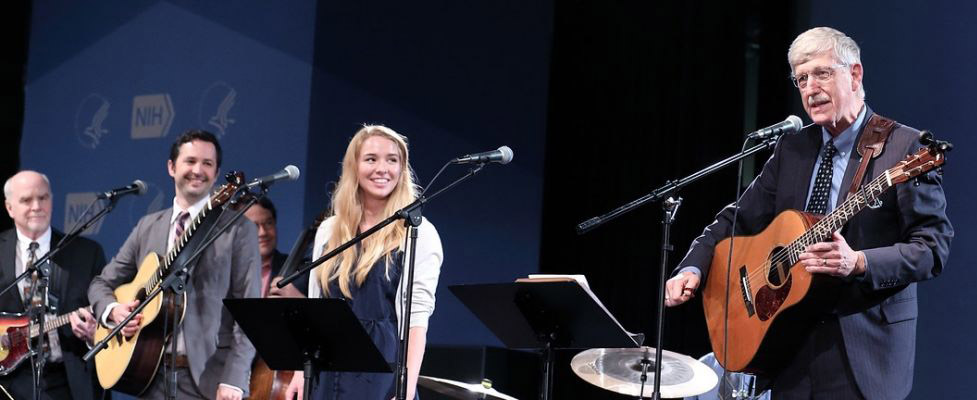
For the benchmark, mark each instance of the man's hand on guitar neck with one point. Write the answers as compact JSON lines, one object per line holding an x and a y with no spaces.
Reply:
{"x":833,"y":258}
{"x":681,"y":288}
{"x":83,"y":324}
{"x":120,"y":311}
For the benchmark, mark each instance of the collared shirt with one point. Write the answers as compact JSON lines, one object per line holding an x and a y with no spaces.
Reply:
{"x":845,"y":143}
{"x":23,"y":256}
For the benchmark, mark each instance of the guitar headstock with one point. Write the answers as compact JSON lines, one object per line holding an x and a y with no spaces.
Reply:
{"x":925,"y":160}
{"x":234,"y":181}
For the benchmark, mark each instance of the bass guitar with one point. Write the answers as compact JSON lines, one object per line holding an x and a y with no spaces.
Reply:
{"x":16,"y":331}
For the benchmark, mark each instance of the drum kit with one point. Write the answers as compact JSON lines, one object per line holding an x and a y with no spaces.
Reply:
{"x":620,"y":371}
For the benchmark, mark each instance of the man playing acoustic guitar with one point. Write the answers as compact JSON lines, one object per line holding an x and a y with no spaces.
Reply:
{"x":860,"y":344}
{"x":213,"y":356}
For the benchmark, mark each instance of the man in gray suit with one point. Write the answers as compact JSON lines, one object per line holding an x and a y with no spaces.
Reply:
{"x":213,"y":356}
{"x":862,"y":346}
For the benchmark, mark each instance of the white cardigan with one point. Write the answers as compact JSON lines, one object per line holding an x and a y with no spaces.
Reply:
{"x":427,"y":269}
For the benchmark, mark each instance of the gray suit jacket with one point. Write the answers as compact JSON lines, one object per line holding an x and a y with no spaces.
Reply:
{"x":217,"y":349}
{"x":906,"y":240}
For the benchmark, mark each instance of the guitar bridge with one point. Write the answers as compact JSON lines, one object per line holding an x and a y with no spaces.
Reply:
{"x":747,"y":296}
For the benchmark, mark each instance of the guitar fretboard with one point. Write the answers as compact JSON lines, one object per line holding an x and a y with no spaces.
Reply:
{"x":821,"y":231}
{"x":164,"y":268}
{"x":50,"y":324}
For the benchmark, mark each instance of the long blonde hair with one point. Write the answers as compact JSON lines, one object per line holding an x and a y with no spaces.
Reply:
{"x":347,"y":208}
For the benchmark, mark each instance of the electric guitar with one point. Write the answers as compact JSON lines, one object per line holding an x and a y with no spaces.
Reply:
{"x":770,"y":294}
{"x":16,"y":330}
{"x":129,"y":364}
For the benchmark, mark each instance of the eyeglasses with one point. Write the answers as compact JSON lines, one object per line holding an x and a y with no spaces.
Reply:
{"x":820,"y":74}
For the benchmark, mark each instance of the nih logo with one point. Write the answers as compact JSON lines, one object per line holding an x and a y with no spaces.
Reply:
{"x":89,"y":118}
{"x":215,"y":107}
{"x":74,"y":213}
{"x":152,"y":115}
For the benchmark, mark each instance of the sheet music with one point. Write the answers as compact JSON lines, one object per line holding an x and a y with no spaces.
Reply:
{"x":582,"y":280}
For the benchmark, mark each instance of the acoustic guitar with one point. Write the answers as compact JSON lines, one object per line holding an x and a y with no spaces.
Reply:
{"x":129,"y":364}
{"x":771,"y":298}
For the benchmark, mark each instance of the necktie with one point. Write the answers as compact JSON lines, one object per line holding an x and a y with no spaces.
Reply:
{"x":178,"y":229}
{"x":818,"y":203}
{"x":31,"y":259}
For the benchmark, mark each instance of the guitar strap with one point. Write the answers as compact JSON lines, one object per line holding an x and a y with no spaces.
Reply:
{"x":874,"y":135}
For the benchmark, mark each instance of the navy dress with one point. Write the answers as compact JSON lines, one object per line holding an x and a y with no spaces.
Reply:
{"x":374,"y":304}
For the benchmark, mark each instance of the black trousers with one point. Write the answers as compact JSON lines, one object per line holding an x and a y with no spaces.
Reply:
{"x":820,"y":370}
{"x":19,"y":383}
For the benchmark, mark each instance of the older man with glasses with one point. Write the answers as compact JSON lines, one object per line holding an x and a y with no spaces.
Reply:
{"x":862,"y":345}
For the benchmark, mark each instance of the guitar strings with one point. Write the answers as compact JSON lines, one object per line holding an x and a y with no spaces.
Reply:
{"x":823,"y":228}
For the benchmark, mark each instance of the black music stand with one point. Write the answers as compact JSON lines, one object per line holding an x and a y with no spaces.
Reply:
{"x":545,"y":315}
{"x":311,"y":335}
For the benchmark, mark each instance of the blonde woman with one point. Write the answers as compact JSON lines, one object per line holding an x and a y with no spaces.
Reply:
{"x":376,"y":181}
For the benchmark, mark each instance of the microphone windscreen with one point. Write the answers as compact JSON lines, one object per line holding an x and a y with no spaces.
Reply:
{"x":506,"y":154}
{"x":293,"y":172}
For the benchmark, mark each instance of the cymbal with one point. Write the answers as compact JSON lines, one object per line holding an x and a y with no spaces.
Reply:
{"x":461,"y":390}
{"x":619,"y":370}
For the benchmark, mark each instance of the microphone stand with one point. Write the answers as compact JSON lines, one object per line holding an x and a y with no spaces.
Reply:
{"x":411,"y":214}
{"x":669,"y":208}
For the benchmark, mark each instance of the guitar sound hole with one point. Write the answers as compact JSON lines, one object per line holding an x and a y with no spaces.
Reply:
{"x":779,"y":270}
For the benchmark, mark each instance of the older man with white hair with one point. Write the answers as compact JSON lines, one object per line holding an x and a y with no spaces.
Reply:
{"x":861,"y":344}
{"x":65,"y":376}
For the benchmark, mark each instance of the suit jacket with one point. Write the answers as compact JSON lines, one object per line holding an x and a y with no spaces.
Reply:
{"x":217,"y":349}
{"x":75,"y":266}
{"x":905,"y":241}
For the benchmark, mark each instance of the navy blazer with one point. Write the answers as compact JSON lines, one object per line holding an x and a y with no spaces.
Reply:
{"x":905,"y":241}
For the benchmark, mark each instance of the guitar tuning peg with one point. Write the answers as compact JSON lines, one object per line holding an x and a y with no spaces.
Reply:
{"x":925,"y":138}
{"x":939,"y":171}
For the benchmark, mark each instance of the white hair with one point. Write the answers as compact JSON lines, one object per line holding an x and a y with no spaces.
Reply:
{"x":6,"y":184}
{"x":818,"y":41}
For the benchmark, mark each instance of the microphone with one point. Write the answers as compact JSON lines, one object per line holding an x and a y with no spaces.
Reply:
{"x":137,"y":187}
{"x":792,"y":124}
{"x":290,"y":172}
{"x":502,"y":155}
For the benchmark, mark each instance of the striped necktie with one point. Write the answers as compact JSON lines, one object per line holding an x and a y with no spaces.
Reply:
{"x":178,"y":230}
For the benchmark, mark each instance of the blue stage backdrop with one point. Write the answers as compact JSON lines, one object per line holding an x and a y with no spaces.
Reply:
{"x":111,"y":84}
{"x":919,"y":62}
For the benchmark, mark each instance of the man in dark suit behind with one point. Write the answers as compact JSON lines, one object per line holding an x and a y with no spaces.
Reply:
{"x":863,"y":347}
{"x":65,"y":376}
{"x":213,"y":356}
{"x":265,"y":218}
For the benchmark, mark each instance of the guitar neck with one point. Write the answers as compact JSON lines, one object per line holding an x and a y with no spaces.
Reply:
{"x":50,"y":324}
{"x":164,"y":266}
{"x":822,"y":230}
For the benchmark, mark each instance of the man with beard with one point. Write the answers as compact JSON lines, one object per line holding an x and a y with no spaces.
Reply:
{"x":863,"y":345}
{"x":213,"y":356}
